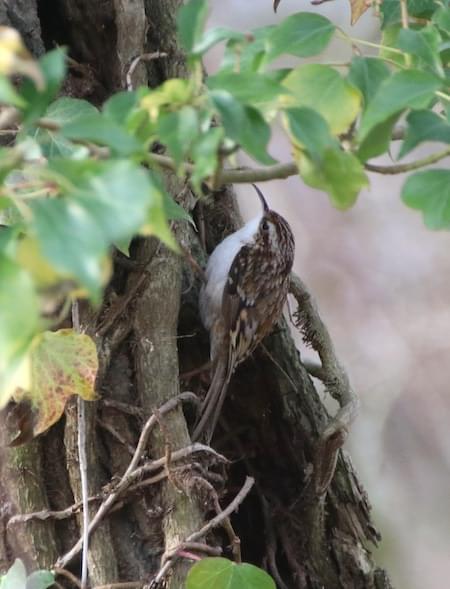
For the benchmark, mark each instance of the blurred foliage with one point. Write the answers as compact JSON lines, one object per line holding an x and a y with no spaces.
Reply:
{"x":16,"y":578}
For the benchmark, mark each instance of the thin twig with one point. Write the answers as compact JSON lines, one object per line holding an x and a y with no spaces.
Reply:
{"x":137,"y":60}
{"x":82,"y":457}
{"x":170,"y":558}
{"x":336,"y":382}
{"x":133,"y":473}
{"x":123,"y":585}
{"x":116,"y":435}
{"x":410,"y":166}
{"x":215,"y":521}
{"x":68,"y":575}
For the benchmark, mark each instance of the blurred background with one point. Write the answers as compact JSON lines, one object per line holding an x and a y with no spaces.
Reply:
{"x":382,"y":283}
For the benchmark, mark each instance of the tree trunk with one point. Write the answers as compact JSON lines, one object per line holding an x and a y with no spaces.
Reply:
{"x":272,"y":418}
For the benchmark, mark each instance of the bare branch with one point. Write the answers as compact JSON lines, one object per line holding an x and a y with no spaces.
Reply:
{"x":137,"y":60}
{"x":168,"y":559}
{"x":336,"y":382}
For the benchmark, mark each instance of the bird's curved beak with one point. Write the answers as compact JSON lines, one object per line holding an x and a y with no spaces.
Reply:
{"x":261,"y":197}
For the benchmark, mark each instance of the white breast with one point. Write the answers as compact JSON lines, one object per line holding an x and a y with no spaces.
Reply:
{"x":218,"y":268}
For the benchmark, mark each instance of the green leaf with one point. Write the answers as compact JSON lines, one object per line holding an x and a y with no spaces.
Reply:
{"x":63,"y":363}
{"x":63,"y":111}
{"x":118,"y":107}
{"x":53,"y":67}
{"x":191,"y":21}
{"x":390,"y":10}
{"x":71,"y":240}
{"x":424,"y":125}
{"x":117,"y":197}
{"x":178,"y":130}
{"x":367,"y":73}
{"x":378,"y":139}
{"x":339,"y":173}
{"x":8,"y":95}
{"x":429,"y":192}
{"x":220,"y":573}
{"x":405,"y":89}
{"x":16,"y":577}
{"x":205,"y":155}
{"x":100,"y":129}
{"x":174,"y":211}
{"x":303,"y":34}
{"x":19,"y":319}
{"x":243,"y":124}
{"x":247,"y":55}
{"x":442,"y":19}
{"x":40,"y":580}
{"x":310,"y":130}
{"x":248,"y":87}
{"x":423,"y":44}
{"x":214,"y":36}
{"x":321,"y":88}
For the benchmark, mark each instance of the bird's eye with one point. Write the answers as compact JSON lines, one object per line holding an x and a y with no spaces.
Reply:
{"x":265,"y":226}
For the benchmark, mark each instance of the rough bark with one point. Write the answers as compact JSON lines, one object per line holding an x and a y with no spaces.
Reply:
{"x":272,"y":418}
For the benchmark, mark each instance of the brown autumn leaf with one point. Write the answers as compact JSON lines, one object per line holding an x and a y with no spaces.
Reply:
{"x":63,"y":363}
{"x":358,"y":8}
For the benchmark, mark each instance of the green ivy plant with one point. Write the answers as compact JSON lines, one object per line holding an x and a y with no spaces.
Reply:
{"x":80,"y":180}
{"x":16,"y":578}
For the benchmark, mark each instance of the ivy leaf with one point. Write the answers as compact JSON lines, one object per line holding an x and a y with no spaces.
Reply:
{"x":214,"y":36}
{"x":40,"y":580}
{"x":338,"y":173}
{"x":308,"y":129}
{"x":191,"y":21}
{"x":63,"y":363}
{"x":16,"y":577}
{"x":442,"y":19}
{"x":358,"y":8}
{"x":8,"y":94}
{"x":429,"y":192}
{"x":423,"y":44}
{"x":367,"y":73}
{"x":247,"y":55}
{"x":390,"y":10}
{"x":251,"y":88}
{"x":205,"y":156}
{"x":178,"y":130}
{"x":63,"y":111}
{"x":220,"y":573}
{"x":174,"y":211}
{"x":117,"y":196}
{"x":302,"y":34}
{"x":405,"y":89}
{"x":118,"y":107}
{"x":378,"y":139}
{"x":53,"y":67}
{"x":19,"y":319}
{"x":102,"y":130}
{"x":321,"y":88}
{"x":71,"y":240}
{"x":243,"y":124}
{"x":424,"y":125}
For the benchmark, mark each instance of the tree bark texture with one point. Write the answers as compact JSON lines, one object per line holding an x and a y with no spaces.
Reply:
{"x":272,"y":417}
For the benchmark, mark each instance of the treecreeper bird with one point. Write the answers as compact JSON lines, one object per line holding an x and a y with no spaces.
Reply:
{"x":247,"y":282}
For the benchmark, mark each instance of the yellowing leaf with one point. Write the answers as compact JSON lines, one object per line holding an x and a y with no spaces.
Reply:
{"x":30,"y":257}
{"x":63,"y":363}
{"x":174,"y":92}
{"x":15,"y":58}
{"x":358,"y":8}
{"x":321,"y":88}
{"x":19,"y":318}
